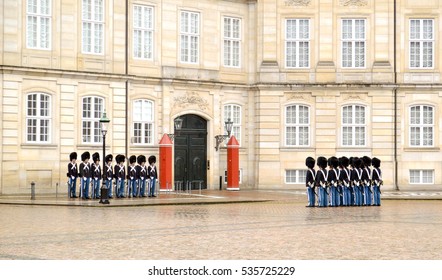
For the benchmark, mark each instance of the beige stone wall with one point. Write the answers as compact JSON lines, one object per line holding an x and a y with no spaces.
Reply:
{"x":262,"y":86}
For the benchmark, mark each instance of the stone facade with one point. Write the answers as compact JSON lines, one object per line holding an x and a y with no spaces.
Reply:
{"x":262,"y":85}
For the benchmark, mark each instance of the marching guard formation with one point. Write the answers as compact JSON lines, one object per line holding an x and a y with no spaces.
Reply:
{"x":139,"y":181}
{"x":344,"y":181}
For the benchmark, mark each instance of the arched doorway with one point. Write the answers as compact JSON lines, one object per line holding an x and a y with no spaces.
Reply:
{"x":190,"y":146}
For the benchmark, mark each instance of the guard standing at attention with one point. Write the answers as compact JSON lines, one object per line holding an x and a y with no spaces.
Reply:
{"x":142,"y":174}
{"x":72,"y":175}
{"x":85,"y":174}
{"x":120,"y":175}
{"x":310,"y":181}
{"x":153,"y":175}
{"x":96,"y":175}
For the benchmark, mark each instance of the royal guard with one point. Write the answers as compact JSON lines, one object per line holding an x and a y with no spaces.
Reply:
{"x":120,"y":175}
{"x":344,"y":178}
{"x":108,"y":175}
{"x":142,"y":174}
{"x":310,"y":181}
{"x":72,"y":175}
{"x":366,"y":181}
{"x":321,"y":181}
{"x":333,"y":181}
{"x":85,"y":174}
{"x":356,"y":180}
{"x":153,"y":175}
{"x":96,"y":175}
{"x":377,"y":181}
{"x":132,"y":177}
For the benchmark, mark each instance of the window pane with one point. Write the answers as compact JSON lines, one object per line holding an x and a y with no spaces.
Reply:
{"x":291,"y":135}
{"x":347,"y":136}
{"x":427,"y":176}
{"x":414,"y":176}
{"x":415,"y":136}
{"x":291,"y":115}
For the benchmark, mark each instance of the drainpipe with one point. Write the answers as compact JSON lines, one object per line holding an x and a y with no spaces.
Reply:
{"x":396,"y":185}
{"x":126,"y":66}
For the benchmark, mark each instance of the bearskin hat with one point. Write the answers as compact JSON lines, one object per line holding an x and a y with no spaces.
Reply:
{"x":152,"y":159}
{"x":352,"y":161}
{"x":357,"y":162}
{"x":141,"y":159}
{"x":132,"y":159}
{"x":120,"y":158}
{"x":310,"y":162}
{"x":73,"y":155}
{"x":321,"y":162}
{"x":333,"y":162}
{"x":85,"y":155}
{"x":96,"y":157}
{"x":367,"y":161}
{"x":343,"y":161}
{"x":108,"y":158}
{"x":376,"y":162}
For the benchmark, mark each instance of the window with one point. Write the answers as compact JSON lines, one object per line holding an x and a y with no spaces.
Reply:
{"x":232,"y":42}
{"x":143,"y":32}
{"x":189,"y":37}
{"x":38,"y":24}
{"x":353,"y":43}
{"x":421,"y":176}
{"x":38,"y":118}
{"x":353,"y":125}
{"x":92,"y":112}
{"x":93,"y":26}
{"x":143,"y":122}
{"x":421,"y":43}
{"x":421,"y":126}
{"x":297,"y":125}
{"x":297,"y":43}
{"x":295,"y":176}
{"x":233,"y":112}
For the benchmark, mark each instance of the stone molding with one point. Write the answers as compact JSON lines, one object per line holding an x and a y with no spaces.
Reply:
{"x":353,"y":2}
{"x":297,"y":2}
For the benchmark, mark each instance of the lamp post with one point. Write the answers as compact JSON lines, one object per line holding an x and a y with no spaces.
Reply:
{"x":178,"y":123}
{"x":104,"y":121}
{"x":220,"y":138}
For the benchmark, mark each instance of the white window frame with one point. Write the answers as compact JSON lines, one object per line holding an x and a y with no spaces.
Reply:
{"x":143,"y":32}
{"x":353,"y":125}
{"x":353,"y":40}
{"x":419,"y":175}
{"x":189,"y":37}
{"x":234,"y":113}
{"x":240,"y":176}
{"x":421,"y":126}
{"x":421,"y":42}
{"x":38,"y":24}
{"x":299,"y":40}
{"x":93,"y":130}
{"x":145,"y":120}
{"x":298,"y":174}
{"x":297,"y":125}
{"x":232,"y":42}
{"x":94,"y":18}
{"x":39,"y":115}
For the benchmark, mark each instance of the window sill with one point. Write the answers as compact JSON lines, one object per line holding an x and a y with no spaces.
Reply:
{"x":38,"y":146}
{"x":423,"y":149}
{"x":292,"y":149}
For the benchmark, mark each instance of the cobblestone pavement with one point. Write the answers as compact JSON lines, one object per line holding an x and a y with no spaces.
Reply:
{"x":277,"y":229}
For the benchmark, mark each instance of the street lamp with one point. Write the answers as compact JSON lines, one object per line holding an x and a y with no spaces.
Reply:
{"x":220,"y":138}
{"x":104,"y":121}
{"x":178,"y":123}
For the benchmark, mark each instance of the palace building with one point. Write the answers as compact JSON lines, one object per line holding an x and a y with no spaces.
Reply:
{"x":298,"y":78}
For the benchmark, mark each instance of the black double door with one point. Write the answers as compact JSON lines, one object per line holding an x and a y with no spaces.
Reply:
{"x":191,"y":153}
